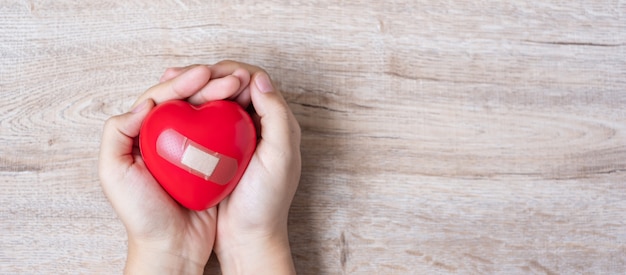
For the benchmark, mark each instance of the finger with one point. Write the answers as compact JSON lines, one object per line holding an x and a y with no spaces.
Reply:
{"x":228,"y":67}
{"x":172,"y":72}
{"x":242,"y":95}
{"x":240,"y":70}
{"x":221,"y":89}
{"x":180,"y":87}
{"x":279,"y":128}
{"x":116,"y":149}
{"x":243,"y":99}
{"x":218,"y":70}
{"x":217,"y":89}
{"x":232,"y":87}
{"x":244,"y":79}
{"x":256,"y":119}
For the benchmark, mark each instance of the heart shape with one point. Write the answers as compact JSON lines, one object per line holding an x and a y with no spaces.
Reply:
{"x":197,"y":153}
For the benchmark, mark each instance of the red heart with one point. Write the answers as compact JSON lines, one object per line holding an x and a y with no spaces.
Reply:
{"x":197,"y":153}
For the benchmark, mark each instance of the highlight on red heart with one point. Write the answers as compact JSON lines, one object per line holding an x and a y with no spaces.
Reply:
{"x":198,"y":154}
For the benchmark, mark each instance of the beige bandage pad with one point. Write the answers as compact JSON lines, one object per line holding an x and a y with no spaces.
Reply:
{"x":195,"y":158}
{"x":200,"y":161}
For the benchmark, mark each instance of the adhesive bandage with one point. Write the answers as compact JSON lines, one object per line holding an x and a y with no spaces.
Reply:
{"x":195,"y":158}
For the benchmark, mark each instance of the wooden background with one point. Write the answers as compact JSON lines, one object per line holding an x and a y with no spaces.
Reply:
{"x":463,"y":137}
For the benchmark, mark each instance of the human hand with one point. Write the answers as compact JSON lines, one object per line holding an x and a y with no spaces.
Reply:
{"x":252,"y":221}
{"x":163,"y":237}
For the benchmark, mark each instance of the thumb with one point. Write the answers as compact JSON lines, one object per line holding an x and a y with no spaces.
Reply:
{"x":118,"y":137}
{"x":278,"y":125}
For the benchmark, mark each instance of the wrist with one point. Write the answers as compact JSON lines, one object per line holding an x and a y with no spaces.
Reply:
{"x":256,"y":254}
{"x":149,"y":259}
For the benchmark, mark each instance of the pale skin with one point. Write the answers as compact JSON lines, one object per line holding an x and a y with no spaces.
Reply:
{"x":247,"y":230}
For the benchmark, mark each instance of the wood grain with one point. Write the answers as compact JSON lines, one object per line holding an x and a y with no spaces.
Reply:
{"x":471,"y":137}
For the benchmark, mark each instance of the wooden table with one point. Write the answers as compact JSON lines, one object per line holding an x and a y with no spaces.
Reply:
{"x":471,"y":137}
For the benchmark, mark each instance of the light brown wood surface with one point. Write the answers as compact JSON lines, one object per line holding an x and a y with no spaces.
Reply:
{"x":461,"y":137}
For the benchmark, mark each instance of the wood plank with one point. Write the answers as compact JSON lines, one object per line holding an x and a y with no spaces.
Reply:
{"x":438,"y":137}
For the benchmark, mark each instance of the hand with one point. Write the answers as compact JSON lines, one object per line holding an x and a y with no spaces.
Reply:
{"x":163,"y":237}
{"x":252,"y":225}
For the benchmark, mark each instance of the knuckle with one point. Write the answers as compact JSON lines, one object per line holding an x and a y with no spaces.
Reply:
{"x":202,"y":67}
{"x":110,"y":122}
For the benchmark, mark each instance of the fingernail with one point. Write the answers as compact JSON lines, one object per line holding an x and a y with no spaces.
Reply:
{"x":140,"y":107}
{"x":264,"y":83}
